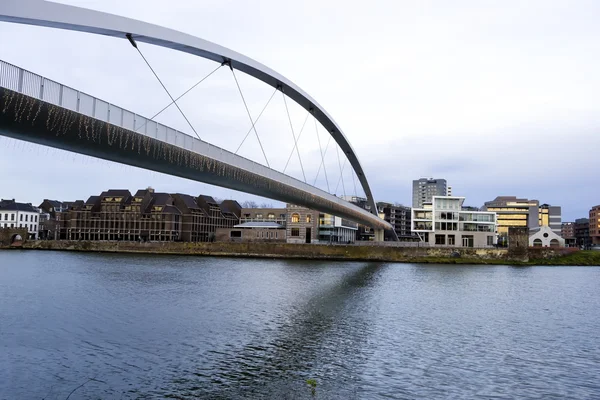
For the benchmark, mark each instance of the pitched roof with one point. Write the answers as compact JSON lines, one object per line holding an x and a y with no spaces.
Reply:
{"x":11,"y":205}
{"x":188,"y":200}
{"x":92,"y":200}
{"x":116,"y":193}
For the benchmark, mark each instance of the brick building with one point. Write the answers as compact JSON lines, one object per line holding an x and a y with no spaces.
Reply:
{"x":146,"y":216}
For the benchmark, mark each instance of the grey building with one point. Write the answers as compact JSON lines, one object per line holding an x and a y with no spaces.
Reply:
{"x":424,"y":189}
{"x":400,"y":218}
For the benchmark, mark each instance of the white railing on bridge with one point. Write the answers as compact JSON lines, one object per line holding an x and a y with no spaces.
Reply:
{"x":30,"y":84}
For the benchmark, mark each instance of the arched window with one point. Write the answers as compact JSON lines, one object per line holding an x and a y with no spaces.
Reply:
{"x":554,"y":243}
{"x":537,"y":243}
{"x":271,"y":216}
{"x":308,"y":218}
{"x":295,"y":218}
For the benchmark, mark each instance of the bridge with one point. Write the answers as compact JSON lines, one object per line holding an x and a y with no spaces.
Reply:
{"x":39,"y":110}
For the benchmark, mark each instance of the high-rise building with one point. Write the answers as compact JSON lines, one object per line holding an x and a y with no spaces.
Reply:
{"x":425,"y":189}
{"x":595,"y":224}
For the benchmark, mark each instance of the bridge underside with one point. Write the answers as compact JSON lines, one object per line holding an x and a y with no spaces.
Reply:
{"x":30,"y":119}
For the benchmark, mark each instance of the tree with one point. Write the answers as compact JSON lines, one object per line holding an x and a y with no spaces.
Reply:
{"x":249,"y":204}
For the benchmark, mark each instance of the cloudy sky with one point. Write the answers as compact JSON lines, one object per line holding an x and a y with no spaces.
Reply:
{"x":498,"y":97}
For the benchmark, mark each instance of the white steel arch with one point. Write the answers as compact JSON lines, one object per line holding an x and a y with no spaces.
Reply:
{"x":55,"y":15}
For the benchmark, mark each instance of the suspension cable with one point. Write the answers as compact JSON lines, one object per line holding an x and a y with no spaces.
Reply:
{"x":257,"y":118}
{"x":323,"y":165}
{"x":294,"y":135}
{"x":341,"y":172}
{"x":322,"y":155}
{"x":249,"y":116}
{"x":354,"y":181}
{"x":171,"y":103}
{"x":300,"y":134}
{"x":134,"y":44}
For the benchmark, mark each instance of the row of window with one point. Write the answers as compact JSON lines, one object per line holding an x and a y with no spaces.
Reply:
{"x":296,"y":218}
{"x":31,"y":228}
{"x":34,"y":218}
{"x":466,"y":240}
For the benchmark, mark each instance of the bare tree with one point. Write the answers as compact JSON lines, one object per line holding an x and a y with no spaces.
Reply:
{"x":249,"y":204}
{"x":266,"y":205}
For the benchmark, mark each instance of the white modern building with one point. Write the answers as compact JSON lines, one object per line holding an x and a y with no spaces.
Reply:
{"x":334,"y":229}
{"x":443,"y":222}
{"x":19,"y":215}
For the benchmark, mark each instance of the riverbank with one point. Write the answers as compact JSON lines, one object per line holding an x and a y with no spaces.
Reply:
{"x":542,"y":256}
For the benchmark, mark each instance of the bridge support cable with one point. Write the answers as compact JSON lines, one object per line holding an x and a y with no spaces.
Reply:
{"x":322,"y":155}
{"x":249,"y":116}
{"x":300,"y":134}
{"x":354,"y":182}
{"x":134,"y":44}
{"x":293,"y":134}
{"x":257,"y":118}
{"x":337,"y":150}
{"x":322,"y":165}
{"x":173,"y":102}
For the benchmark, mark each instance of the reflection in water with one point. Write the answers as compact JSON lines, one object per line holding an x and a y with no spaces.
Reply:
{"x":191,"y":327}
{"x":305,"y":337}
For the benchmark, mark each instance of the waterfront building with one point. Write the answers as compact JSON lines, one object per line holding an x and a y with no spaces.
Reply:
{"x":582,"y":233}
{"x":443,"y":222}
{"x":19,"y":215}
{"x":425,"y":188}
{"x":399,"y":217}
{"x":334,"y":229}
{"x":302,"y":224}
{"x":545,"y":237}
{"x":567,"y":232}
{"x":146,"y":216}
{"x":524,"y":213}
{"x":595,"y":225}
{"x":256,"y":225}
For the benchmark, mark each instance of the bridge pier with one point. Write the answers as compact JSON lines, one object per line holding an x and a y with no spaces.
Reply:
{"x":379,"y":235}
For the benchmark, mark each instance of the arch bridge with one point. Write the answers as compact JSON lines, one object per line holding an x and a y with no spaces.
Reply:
{"x":39,"y":110}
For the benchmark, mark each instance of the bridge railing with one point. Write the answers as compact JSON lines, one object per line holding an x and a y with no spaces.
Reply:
{"x":26,"y":82}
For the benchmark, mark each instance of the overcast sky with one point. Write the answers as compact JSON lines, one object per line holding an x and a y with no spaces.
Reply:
{"x":497,"y":97}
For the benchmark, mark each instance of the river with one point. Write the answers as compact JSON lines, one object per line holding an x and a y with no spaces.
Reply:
{"x":150,"y":327}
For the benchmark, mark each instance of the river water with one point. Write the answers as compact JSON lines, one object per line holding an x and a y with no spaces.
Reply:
{"x":153,"y":327}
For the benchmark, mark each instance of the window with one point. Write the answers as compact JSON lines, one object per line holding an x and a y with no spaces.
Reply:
{"x":308,"y":218}
{"x":271,"y":216}
{"x":451,"y":240}
{"x":295,"y":232}
{"x":295,"y":219}
{"x":26,"y":217}
{"x":490,"y":240}
{"x":259,"y":216}
{"x":235,"y":234}
{"x":12,"y":217}
{"x":440,"y":239}
{"x":6,"y":217}
{"x":21,"y":217}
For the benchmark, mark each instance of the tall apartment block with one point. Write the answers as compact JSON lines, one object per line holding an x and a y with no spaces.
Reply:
{"x":425,"y":189}
{"x":595,"y":225}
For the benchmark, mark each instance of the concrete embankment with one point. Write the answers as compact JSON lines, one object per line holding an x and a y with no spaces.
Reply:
{"x":327,"y":252}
